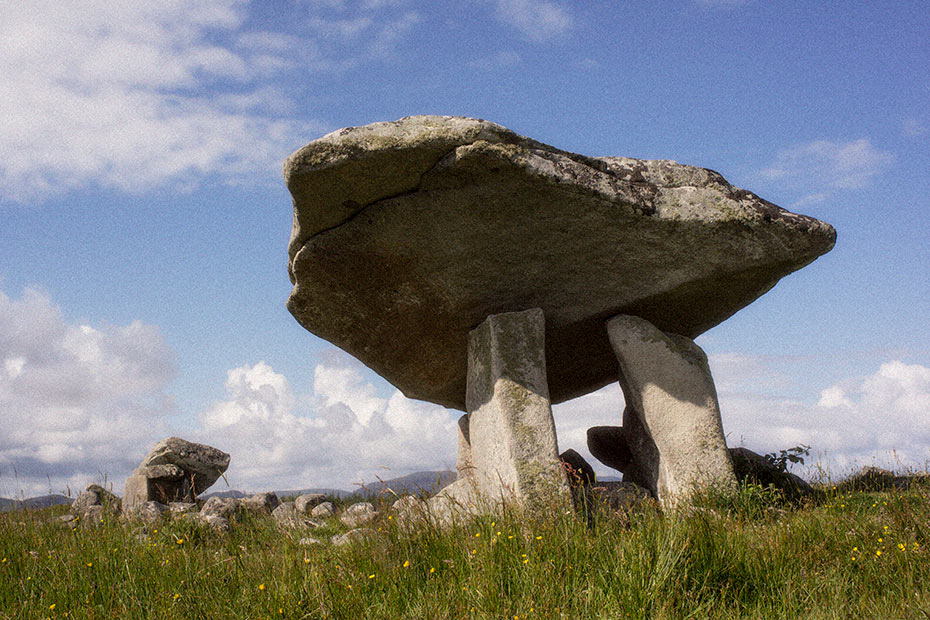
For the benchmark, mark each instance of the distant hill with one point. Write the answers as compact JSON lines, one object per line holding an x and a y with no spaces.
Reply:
{"x":416,"y":483}
{"x":33,"y":503}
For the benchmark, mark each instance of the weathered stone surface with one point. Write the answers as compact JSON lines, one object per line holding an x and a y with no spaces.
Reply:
{"x":352,"y":536}
{"x":261,"y":503}
{"x":95,"y":495}
{"x":408,"y":506}
{"x":217,"y":522}
{"x":578,"y":470}
{"x":608,"y":445}
{"x":148,"y":512}
{"x":321,"y":511}
{"x":174,"y":470}
{"x":358,"y":514}
{"x":511,"y":433}
{"x":672,"y":424}
{"x":459,"y":500}
{"x":168,"y":471}
{"x":94,"y":516}
{"x":180,"y":508}
{"x":427,"y":225}
{"x":285,"y":513}
{"x":203,"y":465}
{"x":224,"y":507}
{"x":305,"y":504}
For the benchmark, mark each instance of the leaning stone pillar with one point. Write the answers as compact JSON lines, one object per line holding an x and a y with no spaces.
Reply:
{"x":510,"y":431}
{"x":672,"y":421}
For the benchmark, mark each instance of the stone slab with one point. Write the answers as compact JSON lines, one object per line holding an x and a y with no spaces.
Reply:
{"x":511,"y":433}
{"x":672,"y":423}
{"x":407,"y":234}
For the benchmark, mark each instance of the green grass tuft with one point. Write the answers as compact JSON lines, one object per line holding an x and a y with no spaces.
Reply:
{"x":846,"y":554}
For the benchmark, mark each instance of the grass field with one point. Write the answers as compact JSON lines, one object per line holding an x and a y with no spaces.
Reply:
{"x":845,"y":555}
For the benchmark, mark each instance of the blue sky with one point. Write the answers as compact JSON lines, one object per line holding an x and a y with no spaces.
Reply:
{"x":144,"y":221}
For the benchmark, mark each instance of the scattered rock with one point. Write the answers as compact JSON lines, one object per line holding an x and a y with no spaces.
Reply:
{"x":94,"y":516}
{"x":179,"y":508}
{"x":225,"y":507}
{"x":215,"y":521}
{"x":309,"y":542}
{"x":410,"y":509}
{"x":96,"y":495}
{"x":358,"y":514}
{"x":149,"y":512}
{"x":321,"y":511}
{"x":261,"y":503}
{"x":285,"y":514}
{"x":352,"y":536}
{"x":307,"y":502}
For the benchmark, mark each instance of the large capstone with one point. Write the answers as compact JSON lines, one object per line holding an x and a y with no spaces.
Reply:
{"x":174,"y":470}
{"x":409,"y":234}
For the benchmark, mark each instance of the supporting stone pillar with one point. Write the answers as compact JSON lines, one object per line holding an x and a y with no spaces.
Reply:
{"x":508,"y":447}
{"x":672,"y":421}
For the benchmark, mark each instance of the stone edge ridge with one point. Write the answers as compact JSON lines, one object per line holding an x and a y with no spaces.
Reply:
{"x":436,"y":137}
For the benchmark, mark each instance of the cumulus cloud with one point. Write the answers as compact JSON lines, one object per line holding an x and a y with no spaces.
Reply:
{"x":130,"y":95}
{"x":828,"y":165}
{"x":882,"y":418}
{"x":77,"y":402}
{"x":537,"y":20}
{"x":339,"y":434}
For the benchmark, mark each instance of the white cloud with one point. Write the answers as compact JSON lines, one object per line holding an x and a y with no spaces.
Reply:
{"x":914,"y":128}
{"x":538,"y":20}
{"x":133,"y":95}
{"x":77,"y":402}
{"x":340,"y":434}
{"x":827,"y":164}
{"x":883,"y":418}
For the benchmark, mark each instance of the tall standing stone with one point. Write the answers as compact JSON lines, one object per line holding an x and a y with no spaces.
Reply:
{"x":511,"y":433}
{"x":672,"y":423}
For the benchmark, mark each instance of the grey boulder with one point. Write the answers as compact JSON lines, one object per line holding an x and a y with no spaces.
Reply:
{"x":408,"y":234}
{"x":174,"y":470}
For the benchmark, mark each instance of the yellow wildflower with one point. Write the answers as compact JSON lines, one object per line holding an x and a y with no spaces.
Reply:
{"x":432,"y":570}
{"x":51,"y":607}
{"x":477,"y":534}
{"x":406,"y":563}
{"x":539,"y":538}
{"x":261,"y":587}
{"x":371,"y":576}
{"x":901,"y":546}
{"x":878,"y":552}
